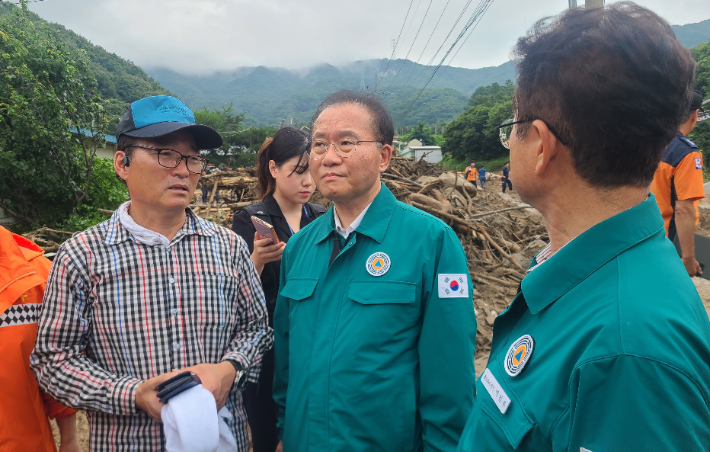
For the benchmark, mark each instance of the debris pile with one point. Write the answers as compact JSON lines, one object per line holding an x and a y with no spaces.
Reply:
{"x":499,"y":234}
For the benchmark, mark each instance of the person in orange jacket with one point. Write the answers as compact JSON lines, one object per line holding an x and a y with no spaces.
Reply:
{"x":24,"y":409}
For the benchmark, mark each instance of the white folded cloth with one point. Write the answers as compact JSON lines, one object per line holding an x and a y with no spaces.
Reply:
{"x":192,"y":424}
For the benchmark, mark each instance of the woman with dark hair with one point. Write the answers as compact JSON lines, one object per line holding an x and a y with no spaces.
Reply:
{"x":286,"y":185}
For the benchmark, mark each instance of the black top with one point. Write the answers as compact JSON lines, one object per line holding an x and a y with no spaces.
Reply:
{"x":269,"y":211}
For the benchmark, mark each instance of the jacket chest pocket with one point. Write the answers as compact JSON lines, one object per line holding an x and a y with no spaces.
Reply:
{"x":501,"y":405}
{"x":301,"y":291}
{"x":383,"y":305}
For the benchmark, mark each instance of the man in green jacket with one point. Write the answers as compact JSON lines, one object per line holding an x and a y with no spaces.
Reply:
{"x":606,"y":347}
{"x":375,"y":328}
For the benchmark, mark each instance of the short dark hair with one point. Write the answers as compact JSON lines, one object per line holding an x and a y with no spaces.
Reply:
{"x":615,"y":83}
{"x":382,"y":124}
{"x":287,"y":143}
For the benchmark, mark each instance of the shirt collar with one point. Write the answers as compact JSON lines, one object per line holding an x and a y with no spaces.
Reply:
{"x":373,"y":224}
{"x":356,"y":222}
{"x":584,"y":255}
{"x":117,"y":232}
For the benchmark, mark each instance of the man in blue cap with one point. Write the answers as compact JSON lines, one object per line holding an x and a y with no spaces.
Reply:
{"x":151,"y":290}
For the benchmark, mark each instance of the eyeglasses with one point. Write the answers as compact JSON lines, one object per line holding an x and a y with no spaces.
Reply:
{"x":169,"y":158}
{"x":505,"y":131}
{"x":344,"y":147}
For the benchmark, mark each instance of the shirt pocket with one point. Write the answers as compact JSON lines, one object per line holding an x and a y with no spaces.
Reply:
{"x":298,"y":289}
{"x":515,"y":423}
{"x":385,"y":312}
{"x":382,"y":292}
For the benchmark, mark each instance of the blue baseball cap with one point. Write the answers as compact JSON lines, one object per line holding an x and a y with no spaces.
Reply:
{"x":156,"y":116}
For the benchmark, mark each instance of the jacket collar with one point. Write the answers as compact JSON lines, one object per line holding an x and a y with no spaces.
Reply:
{"x":116,"y":233}
{"x":584,"y":255}
{"x":375,"y":222}
{"x":283,"y":230}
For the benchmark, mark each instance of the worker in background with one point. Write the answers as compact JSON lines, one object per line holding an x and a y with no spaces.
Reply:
{"x":678,"y":186}
{"x":505,"y":177}
{"x":482,"y":174}
{"x":471,"y":173}
{"x":205,"y":191}
{"x":606,"y":345}
{"x":24,"y":409}
{"x":374,"y":325}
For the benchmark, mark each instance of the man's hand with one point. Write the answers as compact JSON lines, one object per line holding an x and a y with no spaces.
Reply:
{"x":264,"y":252}
{"x":216,"y":378}
{"x":147,"y":398}
{"x":280,"y":447}
{"x":692,"y":266}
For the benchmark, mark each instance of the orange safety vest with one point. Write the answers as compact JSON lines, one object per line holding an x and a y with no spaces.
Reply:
{"x":24,"y":410}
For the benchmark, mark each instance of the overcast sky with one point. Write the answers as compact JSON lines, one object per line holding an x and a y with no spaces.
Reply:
{"x":203,"y":36}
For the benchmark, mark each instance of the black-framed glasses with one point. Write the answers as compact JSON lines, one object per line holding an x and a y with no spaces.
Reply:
{"x":506,"y":129}
{"x":169,"y":158}
{"x":344,"y":147}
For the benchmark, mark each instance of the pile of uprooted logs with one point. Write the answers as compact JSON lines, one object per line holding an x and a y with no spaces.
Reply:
{"x":486,"y":227}
{"x":498,"y":234}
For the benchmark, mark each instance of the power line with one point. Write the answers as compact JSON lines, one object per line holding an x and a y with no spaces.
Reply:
{"x":421,"y":75}
{"x":409,"y":27}
{"x":412,"y":46}
{"x":400,"y":34}
{"x":475,"y":17}
{"x":427,"y":43}
{"x":464,"y":42}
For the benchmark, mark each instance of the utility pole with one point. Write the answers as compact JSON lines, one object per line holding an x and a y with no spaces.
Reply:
{"x":362,"y":83}
{"x":592,"y":4}
{"x":394,"y":47}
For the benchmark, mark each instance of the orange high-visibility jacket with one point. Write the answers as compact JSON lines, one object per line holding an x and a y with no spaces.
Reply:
{"x":24,"y":410}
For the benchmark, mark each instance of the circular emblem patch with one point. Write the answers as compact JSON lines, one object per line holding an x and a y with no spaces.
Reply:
{"x":518,"y":355}
{"x":378,"y":264}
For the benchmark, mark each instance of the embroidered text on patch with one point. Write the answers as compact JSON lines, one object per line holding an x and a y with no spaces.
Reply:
{"x":495,"y":390}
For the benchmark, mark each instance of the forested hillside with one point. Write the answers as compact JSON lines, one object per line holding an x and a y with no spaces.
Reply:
{"x":691,"y":35}
{"x":119,"y":80}
{"x":701,"y":134}
{"x":270,"y":94}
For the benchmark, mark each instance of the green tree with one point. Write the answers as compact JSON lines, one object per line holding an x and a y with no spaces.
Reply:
{"x":421,"y":132}
{"x":474,"y":134}
{"x":45,"y":89}
{"x":240,"y":145}
{"x":701,"y":134}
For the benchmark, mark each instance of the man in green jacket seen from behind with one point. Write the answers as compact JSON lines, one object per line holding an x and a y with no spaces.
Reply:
{"x":375,"y":328}
{"x":606,"y":347}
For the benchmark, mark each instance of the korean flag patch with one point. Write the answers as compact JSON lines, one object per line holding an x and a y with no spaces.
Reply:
{"x":698,"y":164}
{"x":453,"y":285}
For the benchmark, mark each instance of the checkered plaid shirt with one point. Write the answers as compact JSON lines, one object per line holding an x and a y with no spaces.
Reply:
{"x":117,"y":312}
